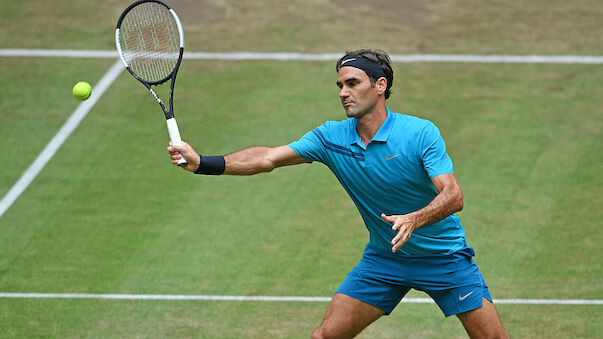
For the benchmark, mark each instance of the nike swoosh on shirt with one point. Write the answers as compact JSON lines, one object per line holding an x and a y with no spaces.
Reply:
{"x":390,"y":158}
{"x":461,"y":298}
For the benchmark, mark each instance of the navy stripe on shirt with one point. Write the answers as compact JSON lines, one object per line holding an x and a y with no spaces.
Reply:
{"x":336,"y":148}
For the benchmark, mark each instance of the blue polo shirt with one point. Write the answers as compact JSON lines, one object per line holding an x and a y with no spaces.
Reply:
{"x":391,"y":175}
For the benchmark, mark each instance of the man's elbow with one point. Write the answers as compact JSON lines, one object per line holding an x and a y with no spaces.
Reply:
{"x":455,"y":198}
{"x":267,"y":166}
{"x":459,"y":200}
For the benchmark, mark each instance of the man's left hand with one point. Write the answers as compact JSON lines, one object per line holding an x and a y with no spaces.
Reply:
{"x":405,"y":224}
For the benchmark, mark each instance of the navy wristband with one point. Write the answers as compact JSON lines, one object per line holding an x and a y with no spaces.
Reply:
{"x":212,"y":165}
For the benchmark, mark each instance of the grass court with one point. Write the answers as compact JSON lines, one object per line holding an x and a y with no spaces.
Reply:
{"x":110,"y":214}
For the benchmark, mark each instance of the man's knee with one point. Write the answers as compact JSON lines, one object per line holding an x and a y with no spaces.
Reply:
{"x":498,"y":335}
{"x":319,"y":333}
{"x":324,"y":331}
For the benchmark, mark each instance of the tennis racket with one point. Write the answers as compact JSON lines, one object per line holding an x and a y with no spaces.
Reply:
{"x":150,"y":43}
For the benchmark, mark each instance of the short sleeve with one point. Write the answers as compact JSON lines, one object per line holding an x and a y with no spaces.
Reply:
{"x":433,"y":152}
{"x":311,"y":145}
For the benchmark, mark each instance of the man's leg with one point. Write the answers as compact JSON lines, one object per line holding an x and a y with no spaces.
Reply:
{"x":483,"y":322}
{"x":346,"y":317}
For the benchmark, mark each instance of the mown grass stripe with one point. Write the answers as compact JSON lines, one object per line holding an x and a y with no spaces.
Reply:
{"x":284,"y":56}
{"x":269,"y":298}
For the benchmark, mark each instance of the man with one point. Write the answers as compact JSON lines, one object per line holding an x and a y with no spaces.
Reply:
{"x":396,"y":170}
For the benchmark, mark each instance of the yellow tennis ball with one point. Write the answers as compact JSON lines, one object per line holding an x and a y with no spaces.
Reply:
{"x":82,"y":90}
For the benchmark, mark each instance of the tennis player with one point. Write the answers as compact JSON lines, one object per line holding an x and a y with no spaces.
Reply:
{"x":396,"y":170}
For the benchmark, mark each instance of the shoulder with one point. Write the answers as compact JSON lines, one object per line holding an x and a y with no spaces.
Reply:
{"x":413,"y":120}
{"x":415,"y":125}
{"x":335,"y":129}
{"x":339,"y":125}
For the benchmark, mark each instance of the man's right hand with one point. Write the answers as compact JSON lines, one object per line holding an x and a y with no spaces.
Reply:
{"x":187,"y":152}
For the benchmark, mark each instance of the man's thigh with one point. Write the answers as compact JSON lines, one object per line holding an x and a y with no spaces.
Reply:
{"x":459,"y":299}
{"x":483,"y":322}
{"x":346,"y":317}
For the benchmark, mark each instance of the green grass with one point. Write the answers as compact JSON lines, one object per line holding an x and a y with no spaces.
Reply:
{"x":412,"y":26}
{"x":93,"y":318}
{"x":110,"y":214}
{"x":36,"y":102}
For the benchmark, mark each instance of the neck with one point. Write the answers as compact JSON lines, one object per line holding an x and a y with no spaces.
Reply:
{"x":368,"y":125}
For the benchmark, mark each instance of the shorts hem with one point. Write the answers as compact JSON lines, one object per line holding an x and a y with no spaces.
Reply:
{"x":470,"y":307}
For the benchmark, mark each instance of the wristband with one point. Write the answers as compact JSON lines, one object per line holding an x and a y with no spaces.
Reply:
{"x":212,"y":165}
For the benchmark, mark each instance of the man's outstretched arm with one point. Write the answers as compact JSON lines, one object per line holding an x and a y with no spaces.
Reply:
{"x":260,"y":159}
{"x":247,"y":161}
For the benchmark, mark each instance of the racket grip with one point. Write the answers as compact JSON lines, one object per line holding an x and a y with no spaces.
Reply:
{"x":172,"y":127}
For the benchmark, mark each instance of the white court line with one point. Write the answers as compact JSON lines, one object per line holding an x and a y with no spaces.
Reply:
{"x":463,"y":58}
{"x":270,"y":298}
{"x":57,"y":141}
{"x":57,"y":53}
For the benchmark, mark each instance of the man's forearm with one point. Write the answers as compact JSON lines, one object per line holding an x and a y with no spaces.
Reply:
{"x":443,"y":205}
{"x":248,"y":161}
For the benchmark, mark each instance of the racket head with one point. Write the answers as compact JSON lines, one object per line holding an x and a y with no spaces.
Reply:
{"x":150,"y":41}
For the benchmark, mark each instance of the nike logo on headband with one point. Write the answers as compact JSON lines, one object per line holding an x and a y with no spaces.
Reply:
{"x":371,"y":68}
{"x":351,"y":59}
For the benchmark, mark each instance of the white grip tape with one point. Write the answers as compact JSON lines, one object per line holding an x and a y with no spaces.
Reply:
{"x":172,"y":127}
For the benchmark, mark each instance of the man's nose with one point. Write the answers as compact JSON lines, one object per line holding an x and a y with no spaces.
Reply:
{"x":343,"y":93}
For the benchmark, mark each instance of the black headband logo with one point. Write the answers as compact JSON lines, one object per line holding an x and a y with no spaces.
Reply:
{"x":371,"y":68}
{"x":344,"y":61}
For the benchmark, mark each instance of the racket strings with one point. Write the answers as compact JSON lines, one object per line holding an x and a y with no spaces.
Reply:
{"x":150,"y":41}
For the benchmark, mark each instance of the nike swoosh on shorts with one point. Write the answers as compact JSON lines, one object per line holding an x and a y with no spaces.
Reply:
{"x":461,"y":298}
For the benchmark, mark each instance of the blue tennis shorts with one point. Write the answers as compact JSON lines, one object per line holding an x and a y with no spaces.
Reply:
{"x":383,"y":278}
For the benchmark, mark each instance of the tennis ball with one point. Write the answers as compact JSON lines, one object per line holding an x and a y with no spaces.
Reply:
{"x":82,"y":90}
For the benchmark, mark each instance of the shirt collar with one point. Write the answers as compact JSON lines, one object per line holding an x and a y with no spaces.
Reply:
{"x":386,"y":128}
{"x":382,"y":134}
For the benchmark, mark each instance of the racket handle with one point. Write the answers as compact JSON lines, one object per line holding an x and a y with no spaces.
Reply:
{"x":172,"y":127}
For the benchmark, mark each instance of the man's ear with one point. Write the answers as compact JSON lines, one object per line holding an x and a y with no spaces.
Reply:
{"x":381,"y":85}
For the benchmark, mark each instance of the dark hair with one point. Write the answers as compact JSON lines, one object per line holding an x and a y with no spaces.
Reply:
{"x":381,"y":58}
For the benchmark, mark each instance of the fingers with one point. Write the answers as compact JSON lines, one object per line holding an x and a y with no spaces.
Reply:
{"x":401,"y":238}
{"x":403,"y":225}
{"x":175,"y":148}
{"x":175,"y":154}
{"x":391,"y":219}
{"x":186,"y":152}
{"x":175,"y":157}
{"x":183,"y":148}
{"x":387,"y":218}
{"x":176,"y":151}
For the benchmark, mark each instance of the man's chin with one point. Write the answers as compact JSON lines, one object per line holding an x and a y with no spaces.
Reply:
{"x":349,"y":112}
